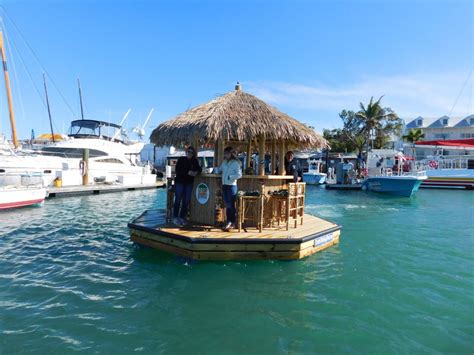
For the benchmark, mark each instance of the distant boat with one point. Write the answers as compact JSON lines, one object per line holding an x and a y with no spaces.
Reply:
{"x":448,"y":171}
{"x":13,"y":196}
{"x":29,"y":191}
{"x":382,"y":164}
{"x":314,"y":176}
{"x":449,"y":179}
{"x":400,"y":185}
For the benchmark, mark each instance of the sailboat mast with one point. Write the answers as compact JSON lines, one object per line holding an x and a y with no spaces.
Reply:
{"x":80,"y":98}
{"x":49,"y":110}
{"x":9,"y":95}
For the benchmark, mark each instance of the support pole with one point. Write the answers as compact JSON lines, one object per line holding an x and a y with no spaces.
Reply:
{"x":197,"y":147}
{"x":273,"y":159}
{"x":221,"y":151}
{"x":9,"y":95}
{"x":249,"y":153}
{"x":261,"y":155}
{"x":281,"y":158}
{"x":216,"y":153}
{"x":85,"y":174}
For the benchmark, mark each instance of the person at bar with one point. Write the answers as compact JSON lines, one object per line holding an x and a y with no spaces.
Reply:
{"x":231,"y":171}
{"x":292,"y":167}
{"x":187,"y":168}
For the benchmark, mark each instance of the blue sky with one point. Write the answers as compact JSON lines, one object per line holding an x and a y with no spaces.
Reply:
{"x":310,"y":59}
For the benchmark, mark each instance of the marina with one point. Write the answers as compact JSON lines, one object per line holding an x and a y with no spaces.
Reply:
{"x":236,"y":178}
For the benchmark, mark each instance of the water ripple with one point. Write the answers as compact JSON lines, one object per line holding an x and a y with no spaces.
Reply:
{"x":71,"y":280}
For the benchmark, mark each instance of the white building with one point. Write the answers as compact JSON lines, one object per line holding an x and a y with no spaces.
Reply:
{"x":438,"y":130}
{"x":444,"y":127}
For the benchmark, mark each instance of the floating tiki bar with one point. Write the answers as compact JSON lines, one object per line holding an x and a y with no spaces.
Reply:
{"x":270,"y":205}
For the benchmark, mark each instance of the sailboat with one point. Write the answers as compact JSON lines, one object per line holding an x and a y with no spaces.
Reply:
{"x":25,"y":192}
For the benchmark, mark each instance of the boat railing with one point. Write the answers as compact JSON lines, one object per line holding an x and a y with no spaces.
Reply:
{"x":441,"y":163}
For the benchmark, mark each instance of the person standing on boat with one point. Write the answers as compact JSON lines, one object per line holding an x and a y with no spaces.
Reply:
{"x":231,"y":171}
{"x":292,"y":167}
{"x":187,"y":168}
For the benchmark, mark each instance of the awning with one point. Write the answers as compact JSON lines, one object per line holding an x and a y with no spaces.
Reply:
{"x":460,"y":143}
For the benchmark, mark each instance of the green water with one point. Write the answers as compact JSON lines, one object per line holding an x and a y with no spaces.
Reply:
{"x":400,"y":281}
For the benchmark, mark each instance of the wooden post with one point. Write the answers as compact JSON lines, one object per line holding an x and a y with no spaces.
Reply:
{"x":281,"y":158}
{"x":273,"y":159}
{"x":249,"y":153}
{"x":261,"y":155}
{"x":195,"y":144}
{"x":85,"y":172}
{"x":221,"y":151}
{"x":216,"y":153}
{"x":9,"y":95}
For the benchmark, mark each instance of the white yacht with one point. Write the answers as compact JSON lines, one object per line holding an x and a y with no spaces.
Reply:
{"x":112,"y":158}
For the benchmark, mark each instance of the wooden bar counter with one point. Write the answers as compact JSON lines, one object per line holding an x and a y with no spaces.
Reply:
{"x":206,"y":198}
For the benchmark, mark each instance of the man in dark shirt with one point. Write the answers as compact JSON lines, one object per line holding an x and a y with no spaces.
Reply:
{"x":186,"y":169}
{"x":292,"y":167}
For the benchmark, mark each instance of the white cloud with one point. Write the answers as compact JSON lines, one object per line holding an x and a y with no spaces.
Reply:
{"x":409,"y":95}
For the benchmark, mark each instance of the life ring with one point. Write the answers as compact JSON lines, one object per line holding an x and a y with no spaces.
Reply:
{"x":83,"y":167}
{"x":433,"y":164}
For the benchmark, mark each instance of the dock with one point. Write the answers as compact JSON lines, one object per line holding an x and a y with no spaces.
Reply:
{"x":344,"y":186}
{"x":97,"y":189}
{"x":202,"y":242}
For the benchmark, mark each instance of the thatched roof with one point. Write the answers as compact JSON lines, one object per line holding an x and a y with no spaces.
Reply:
{"x":235,"y":116}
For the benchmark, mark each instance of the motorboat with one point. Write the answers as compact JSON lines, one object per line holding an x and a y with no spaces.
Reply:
{"x":112,"y":158}
{"x":314,"y":176}
{"x":26,"y":193}
{"x":386,"y":175}
{"x":400,"y":185}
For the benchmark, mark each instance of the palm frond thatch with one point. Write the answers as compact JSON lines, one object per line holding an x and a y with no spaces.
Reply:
{"x":235,"y":116}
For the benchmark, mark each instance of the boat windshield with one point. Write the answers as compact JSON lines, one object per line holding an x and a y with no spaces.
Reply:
{"x":93,"y":128}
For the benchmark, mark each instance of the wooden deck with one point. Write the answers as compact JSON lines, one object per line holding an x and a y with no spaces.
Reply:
{"x":206,"y":242}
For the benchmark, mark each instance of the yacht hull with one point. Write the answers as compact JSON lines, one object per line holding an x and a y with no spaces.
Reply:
{"x":13,"y":197}
{"x":449,"y":179}
{"x":394,"y":185}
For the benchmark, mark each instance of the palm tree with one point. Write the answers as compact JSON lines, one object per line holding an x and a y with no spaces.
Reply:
{"x":381,"y":121}
{"x":414,"y":135}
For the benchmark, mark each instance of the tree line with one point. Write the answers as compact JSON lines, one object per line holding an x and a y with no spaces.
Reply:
{"x":372,"y":126}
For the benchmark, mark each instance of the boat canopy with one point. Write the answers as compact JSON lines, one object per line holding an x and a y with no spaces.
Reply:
{"x":94,"y":128}
{"x":460,"y":143}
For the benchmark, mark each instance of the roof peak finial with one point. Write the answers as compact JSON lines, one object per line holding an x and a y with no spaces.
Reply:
{"x":238,"y":87}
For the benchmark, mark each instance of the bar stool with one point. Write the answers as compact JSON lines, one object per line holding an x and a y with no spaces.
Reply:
{"x":290,"y":207}
{"x":250,"y":209}
{"x":295,"y":206}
